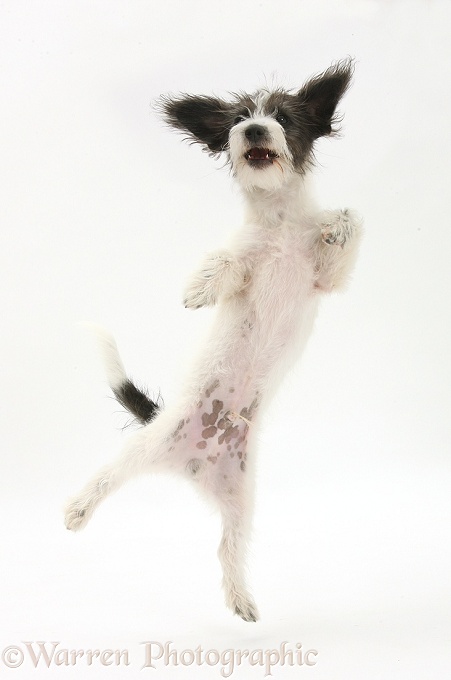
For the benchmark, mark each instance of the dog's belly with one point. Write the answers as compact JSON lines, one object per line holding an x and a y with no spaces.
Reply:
{"x":211,"y":442}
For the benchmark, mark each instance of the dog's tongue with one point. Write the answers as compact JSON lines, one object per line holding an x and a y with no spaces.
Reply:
{"x":258,"y":154}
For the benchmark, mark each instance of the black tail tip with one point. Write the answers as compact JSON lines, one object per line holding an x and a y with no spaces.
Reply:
{"x":137,"y":402}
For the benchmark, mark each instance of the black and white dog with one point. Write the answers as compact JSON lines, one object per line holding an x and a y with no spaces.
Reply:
{"x":267,"y":284}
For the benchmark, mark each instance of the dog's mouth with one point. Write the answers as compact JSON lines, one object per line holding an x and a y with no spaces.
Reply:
{"x":259,"y":156}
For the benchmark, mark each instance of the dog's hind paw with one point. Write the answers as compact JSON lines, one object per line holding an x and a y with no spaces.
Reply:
{"x":247,"y":614}
{"x":245,"y":607}
{"x":76,"y":516}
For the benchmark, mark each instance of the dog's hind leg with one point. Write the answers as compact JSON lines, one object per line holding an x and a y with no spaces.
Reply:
{"x":143,"y":453}
{"x":229,"y":483}
{"x":232,"y":555}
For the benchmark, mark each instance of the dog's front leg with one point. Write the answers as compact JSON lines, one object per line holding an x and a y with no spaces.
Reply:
{"x":340,"y":232}
{"x":221,"y":275}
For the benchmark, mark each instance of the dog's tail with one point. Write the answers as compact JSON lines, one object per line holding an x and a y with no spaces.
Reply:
{"x":135,"y":400}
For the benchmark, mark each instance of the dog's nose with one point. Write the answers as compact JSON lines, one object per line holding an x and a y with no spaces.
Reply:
{"x":255,"y":133}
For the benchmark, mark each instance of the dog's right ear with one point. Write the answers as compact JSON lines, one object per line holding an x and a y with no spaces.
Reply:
{"x":207,"y":120}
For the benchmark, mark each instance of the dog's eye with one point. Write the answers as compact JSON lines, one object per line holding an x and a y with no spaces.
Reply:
{"x":240,"y":118}
{"x":283,"y":120}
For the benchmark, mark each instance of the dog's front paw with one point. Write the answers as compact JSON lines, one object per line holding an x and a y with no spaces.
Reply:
{"x":220,"y":275}
{"x":338,"y":226}
{"x":203,"y":289}
{"x":199,"y":293}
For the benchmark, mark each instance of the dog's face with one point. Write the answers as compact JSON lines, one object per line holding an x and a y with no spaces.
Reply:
{"x":269,"y":135}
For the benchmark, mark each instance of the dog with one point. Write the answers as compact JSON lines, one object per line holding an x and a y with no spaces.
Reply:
{"x":267,"y":285}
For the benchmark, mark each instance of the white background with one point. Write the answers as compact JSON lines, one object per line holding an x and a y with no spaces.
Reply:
{"x":104,"y":213}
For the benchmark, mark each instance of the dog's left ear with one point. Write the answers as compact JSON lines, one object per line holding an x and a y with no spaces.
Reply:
{"x":320,"y":95}
{"x":207,"y":120}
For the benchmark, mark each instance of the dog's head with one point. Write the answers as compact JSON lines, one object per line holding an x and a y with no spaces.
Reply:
{"x":269,"y":135}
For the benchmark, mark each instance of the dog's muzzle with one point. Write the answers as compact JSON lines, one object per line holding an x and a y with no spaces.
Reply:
{"x":258,"y":154}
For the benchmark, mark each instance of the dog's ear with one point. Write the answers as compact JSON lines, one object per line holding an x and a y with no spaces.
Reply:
{"x":207,"y":120}
{"x":320,"y":95}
